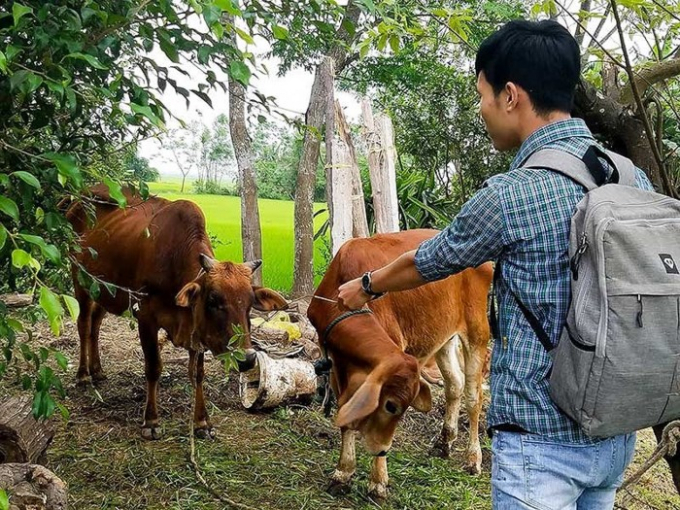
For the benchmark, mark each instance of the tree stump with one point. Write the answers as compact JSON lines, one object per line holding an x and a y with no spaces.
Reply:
{"x":22,"y":437}
{"x":32,"y":487}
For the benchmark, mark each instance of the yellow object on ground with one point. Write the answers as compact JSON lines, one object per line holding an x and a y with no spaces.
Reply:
{"x":280,"y":320}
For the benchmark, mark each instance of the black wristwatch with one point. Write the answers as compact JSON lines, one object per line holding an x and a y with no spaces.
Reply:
{"x":366,"y":286}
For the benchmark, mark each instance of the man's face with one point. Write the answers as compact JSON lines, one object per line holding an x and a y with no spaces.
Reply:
{"x":498,"y":113}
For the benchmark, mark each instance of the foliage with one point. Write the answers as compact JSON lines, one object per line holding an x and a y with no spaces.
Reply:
{"x":277,"y":150}
{"x":138,"y":169}
{"x":80,"y":81}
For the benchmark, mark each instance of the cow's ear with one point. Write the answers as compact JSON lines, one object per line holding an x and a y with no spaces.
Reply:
{"x":423,"y":400}
{"x":267,"y":300}
{"x":188,"y":294}
{"x":364,"y":401}
{"x":253,"y":265}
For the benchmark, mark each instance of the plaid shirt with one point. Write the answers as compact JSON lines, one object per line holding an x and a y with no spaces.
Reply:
{"x":522,"y":218}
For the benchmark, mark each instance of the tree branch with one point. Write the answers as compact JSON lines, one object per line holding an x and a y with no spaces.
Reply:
{"x":641,"y":109}
{"x":656,"y":73}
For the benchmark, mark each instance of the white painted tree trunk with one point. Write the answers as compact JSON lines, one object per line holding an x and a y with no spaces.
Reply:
{"x":359,"y":221}
{"x":340,"y":166}
{"x":379,"y":139}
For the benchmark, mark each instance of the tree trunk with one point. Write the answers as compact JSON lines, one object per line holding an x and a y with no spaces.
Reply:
{"x":22,"y":437}
{"x":184,"y":178}
{"x":251,"y":233}
{"x":619,"y":126}
{"x":303,"y":272}
{"x":379,"y":139}
{"x":16,"y":300}
{"x":359,"y":221}
{"x":341,"y":179}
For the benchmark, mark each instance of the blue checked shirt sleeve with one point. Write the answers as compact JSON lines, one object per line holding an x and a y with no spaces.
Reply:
{"x":642,"y":181}
{"x":475,"y":236}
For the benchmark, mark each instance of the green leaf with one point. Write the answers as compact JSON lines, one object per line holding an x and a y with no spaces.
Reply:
{"x":4,"y":500}
{"x":49,"y":251}
{"x":240,"y":72}
{"x":50,"y":303}
{"x":228,"y":5}
{"x":72,"y":306}
{"x":147,"y":112}
{"x":29,"y":179}
{"x":19,"y":11}
{"x":244,"y":35}
{"x":61,"y":361}
{"x":169,"y":48}
{"x":90,"y":59}
{"x":67,"y":167}
{"x":116,"y":192}
{"x":280,"y":32}
{"x":3,"y":236}
{"x":8,"y":206}
{"x":64,"y":412}
{"x":3,"y":63}
{"x":15,"y":325}
{"x":20,"y":258}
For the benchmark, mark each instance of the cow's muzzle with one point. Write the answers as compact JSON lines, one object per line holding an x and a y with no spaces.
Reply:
{"x":249,"y":362}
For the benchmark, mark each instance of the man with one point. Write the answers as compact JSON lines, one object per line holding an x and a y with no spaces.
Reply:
{"x":527,"y":73}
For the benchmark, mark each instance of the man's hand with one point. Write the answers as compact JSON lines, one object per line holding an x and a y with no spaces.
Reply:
{"x":351,"y":295}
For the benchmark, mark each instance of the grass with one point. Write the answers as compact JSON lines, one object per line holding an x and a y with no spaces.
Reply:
{"x":223,"y":217}
{"x":267,"y":460}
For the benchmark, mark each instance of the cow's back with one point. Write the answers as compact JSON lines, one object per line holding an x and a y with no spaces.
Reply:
{"x":416,"y":319}
{"x":147,"y":246}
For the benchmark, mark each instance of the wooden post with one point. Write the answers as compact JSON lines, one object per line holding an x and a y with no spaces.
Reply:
{"x":379,"y":139}
{"x":359,"y":220}
{"x":22,"y":437}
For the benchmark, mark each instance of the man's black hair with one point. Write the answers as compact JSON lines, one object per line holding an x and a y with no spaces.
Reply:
{"x":541,"y":57}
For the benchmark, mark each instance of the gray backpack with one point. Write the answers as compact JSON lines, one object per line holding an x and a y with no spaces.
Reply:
{"x":616,"y":368}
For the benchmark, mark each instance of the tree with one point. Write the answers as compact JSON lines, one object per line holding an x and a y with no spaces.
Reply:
{"x":251,"y":233}
{"x":139,"y":169}
{"x":182,"y":146}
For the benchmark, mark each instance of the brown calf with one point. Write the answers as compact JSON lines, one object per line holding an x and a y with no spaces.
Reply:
{"x":377,"y":357}
{"x":161,"y":251}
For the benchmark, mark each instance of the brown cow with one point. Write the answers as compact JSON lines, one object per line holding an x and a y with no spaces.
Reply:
{"x":160,"y":250}
{"x":377,"y":357}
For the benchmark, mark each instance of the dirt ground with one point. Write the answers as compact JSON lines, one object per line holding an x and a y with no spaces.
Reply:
{"x":276,"y":460}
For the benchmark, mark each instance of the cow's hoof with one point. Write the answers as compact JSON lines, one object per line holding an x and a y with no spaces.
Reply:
{"x":204,"y":433}
{"x":82,"y":381}
{"x":441,"y":449}
{"x":98,"y":376}
{"x":338,"y":488}
{"x":152,"y":433}
{"x":377,"y":491}
{"x":473,"y":467}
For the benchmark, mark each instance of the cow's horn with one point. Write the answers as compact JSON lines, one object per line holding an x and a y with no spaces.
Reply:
{"x":253,"y":265}
{"x":207,"y":263}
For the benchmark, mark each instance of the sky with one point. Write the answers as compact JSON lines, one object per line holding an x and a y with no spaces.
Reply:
{"x":291,"y":91}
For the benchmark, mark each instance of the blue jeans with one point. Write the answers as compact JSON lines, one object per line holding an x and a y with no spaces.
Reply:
{"x":533,"y":472}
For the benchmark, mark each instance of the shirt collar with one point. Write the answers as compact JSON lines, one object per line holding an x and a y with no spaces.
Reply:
{"x":548,"y":134}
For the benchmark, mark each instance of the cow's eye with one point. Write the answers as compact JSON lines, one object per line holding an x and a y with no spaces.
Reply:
{"x":391,"y":407}
{"x":214,"y":301}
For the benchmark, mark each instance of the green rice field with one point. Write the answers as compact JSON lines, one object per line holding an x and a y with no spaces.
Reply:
{"x":223,"y":216}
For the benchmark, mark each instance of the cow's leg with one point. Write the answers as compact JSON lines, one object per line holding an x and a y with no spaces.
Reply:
{"x":475,"y":355}
{"x":377,"y":482}
{"x":341,"y":478}
{"x":202,"y":426}
{"x":94,"y":362}
{"x":84,"y":332}
{"x":454,"y":381}
{"x":148,"y":334}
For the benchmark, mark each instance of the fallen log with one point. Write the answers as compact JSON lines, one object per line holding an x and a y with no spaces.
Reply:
{"x":33,"y":487}
{"x":16,"y":300}
{"x":22,"y":437}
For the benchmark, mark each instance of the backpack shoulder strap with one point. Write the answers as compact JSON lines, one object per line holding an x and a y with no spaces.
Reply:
{"x":624,"y":166}
{"x":563,"y":163}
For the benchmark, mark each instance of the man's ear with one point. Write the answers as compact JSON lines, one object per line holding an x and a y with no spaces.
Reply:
{"x":267,"y":300}
{"x":364,"y":401}
{"x":423,"y":400}
{"x":188,"y":294}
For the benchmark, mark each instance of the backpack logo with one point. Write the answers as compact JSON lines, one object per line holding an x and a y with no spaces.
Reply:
{"x":669,"y":264}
